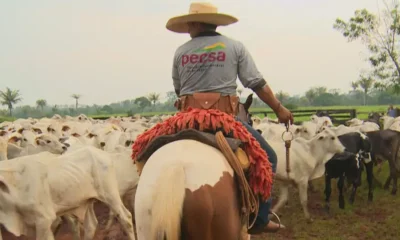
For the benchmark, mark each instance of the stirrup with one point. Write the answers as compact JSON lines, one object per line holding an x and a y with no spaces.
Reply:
{"x":276,"y":216}
{"x":281,"y":226}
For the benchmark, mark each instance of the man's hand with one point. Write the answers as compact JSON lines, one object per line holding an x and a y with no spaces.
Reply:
{"x":284,"y":115}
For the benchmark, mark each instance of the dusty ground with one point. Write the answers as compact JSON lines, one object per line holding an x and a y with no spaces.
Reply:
{"x":364,"y":221}
{"x":379,"y":220}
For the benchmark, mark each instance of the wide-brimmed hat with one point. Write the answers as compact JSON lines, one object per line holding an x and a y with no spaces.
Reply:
{"x":199,"y":12}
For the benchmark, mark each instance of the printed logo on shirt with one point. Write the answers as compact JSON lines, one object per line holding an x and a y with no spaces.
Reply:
{"x":209,"y":54}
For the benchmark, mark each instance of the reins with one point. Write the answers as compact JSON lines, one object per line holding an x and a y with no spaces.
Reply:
{"x":288,"y":143}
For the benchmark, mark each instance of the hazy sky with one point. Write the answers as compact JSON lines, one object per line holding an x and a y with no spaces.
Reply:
{"x":109,"y":51}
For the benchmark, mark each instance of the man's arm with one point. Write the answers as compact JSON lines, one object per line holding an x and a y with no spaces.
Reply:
{"x":266,"y":95}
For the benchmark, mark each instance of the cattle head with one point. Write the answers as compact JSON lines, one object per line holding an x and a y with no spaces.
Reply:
{"x":50,"y":143}
{"x":328,"y":142}
{"x":307,"y":130}
{"x":100,"y":136}
{"x":3,"y":133}
{"x":16,"y":140}
{"x":37,"y":130}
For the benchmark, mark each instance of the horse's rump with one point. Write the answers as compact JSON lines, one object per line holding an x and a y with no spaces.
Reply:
{"x":177,"y":186}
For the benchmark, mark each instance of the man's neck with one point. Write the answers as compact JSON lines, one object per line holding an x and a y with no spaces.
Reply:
{"x":207,"y":33}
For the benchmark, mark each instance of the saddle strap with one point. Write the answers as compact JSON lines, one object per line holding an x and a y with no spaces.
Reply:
{"x":209,"y":100}
{"x":249,"y":201}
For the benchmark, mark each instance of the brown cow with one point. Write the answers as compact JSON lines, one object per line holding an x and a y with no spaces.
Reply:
{"x":385,"y":145}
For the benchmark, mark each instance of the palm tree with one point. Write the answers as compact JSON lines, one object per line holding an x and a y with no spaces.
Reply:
{"x":154,"y":97}
{"x":41,"y":103}
{"x":9,"y":98}
{"x":76,"y":97}
{"x":366,"y":84}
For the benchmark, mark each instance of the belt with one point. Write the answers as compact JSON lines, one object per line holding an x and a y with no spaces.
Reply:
{"x":209,"y":100}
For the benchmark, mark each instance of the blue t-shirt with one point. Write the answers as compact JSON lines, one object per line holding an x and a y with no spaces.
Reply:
{"x":392,"y":113}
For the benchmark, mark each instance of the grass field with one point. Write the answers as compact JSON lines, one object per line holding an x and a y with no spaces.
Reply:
{"x":377,"y":220}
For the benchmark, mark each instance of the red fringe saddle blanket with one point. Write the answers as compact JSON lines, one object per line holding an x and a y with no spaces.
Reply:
{"x":260,"y":171}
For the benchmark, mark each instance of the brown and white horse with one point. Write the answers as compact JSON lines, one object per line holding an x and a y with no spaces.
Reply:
{"x":187,"y":191}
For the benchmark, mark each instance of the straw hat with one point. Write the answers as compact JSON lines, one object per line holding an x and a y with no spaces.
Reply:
{"x":199,"y":12}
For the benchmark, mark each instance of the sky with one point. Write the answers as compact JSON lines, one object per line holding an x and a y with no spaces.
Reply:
{"x":109,"y":51}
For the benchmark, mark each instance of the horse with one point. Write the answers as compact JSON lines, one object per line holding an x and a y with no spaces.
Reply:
{"x":187,"y":190}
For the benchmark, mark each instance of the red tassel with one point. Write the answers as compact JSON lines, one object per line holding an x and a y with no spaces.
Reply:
{"x":261,"y":174}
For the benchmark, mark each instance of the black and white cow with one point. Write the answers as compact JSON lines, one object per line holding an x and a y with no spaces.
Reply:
{"x":349,"y":166}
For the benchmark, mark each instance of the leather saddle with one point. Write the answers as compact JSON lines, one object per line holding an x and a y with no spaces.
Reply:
{"x":193,"y":134}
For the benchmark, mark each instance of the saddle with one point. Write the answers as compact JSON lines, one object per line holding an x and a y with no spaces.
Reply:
{"x":192,"y":134}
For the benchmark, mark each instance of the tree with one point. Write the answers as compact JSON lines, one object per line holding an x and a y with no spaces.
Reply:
{"x":282,"y":96}
{"x":171,"y":96}
{"x":41,"y":103}
{"x":365,"y":83}
{"x":311,"y":94}
{"x":320,"y":90}
{"x":76,"y":97}
{"x":107,"y":108}
{"x":354,"y":86}
{"x":379,"y":33}
{"x":9,"y":98}
{"x":154,"y":98}
{"x":54,"y":109}
{"x":142,"y":102}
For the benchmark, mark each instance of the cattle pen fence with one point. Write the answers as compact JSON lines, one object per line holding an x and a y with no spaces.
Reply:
{"x":338,"y":116}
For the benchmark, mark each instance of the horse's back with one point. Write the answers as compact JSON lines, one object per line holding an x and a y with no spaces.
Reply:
{"x":210,"y":207}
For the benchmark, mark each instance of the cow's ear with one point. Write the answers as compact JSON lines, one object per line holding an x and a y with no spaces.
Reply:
{"x":3,"y":185}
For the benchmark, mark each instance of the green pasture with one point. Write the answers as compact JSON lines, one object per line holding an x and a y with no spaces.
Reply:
{"x":360,"y":221}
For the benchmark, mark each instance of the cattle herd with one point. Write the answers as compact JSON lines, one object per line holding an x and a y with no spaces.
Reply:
{"x":60,"y":166}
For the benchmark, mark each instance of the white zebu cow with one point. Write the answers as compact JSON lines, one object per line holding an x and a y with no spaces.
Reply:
{"x":43,"y":142}
{"x":321,"y":121}
{"x":25,"y":197}
{"x":69,"y":183}
{"x":362,"y":126}
{"x":307,"y":162}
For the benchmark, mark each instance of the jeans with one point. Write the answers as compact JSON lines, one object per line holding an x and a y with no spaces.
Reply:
{"x":262,"y":217}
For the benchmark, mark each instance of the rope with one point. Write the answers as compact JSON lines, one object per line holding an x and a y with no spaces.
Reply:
{"x":288,"y":143}
{"x":249,"y":201}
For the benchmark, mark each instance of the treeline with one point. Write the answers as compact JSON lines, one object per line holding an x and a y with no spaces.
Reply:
{"x":316,"y":96}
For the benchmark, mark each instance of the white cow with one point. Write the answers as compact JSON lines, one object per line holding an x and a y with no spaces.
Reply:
{"x":306,"y":130}
{"x":25,"y":197}
{"x":321,"y":121}
{"x":44,"y":142}
{"x":362,"y":126}
{"x":307,"y":162}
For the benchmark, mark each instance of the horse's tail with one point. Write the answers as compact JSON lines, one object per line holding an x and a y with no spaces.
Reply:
{"x":168,"y":203}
